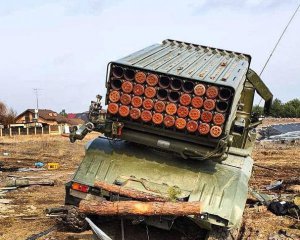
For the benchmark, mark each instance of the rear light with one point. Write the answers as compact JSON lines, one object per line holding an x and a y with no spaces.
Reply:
{"x":80,"y":187}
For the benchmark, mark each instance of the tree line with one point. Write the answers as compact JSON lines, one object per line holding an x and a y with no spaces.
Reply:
{"x":290,"y":109}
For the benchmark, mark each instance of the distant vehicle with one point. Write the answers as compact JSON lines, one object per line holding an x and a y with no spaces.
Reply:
{"x":178,"y":118}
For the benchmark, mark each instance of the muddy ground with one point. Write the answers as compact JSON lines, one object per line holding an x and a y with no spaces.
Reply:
{"x":24,"y":215}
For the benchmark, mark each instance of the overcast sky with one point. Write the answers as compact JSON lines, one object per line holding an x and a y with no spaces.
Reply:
{"x":63,"y":46}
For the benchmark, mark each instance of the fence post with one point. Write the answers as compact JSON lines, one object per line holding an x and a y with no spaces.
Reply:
{"x":27,"y":131}
{"x":34,"y":130}
{"x":10,"y":133}
{"x":42,"y":130}
{"x":49,"y":129}
{"x":19,"y":131}
{"x":0,"y":132}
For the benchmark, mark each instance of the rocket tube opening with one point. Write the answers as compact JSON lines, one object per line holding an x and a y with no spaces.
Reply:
{"x":157,"y":118}
{"x":169,"y":121}
{"x":162,"y":94}
{"x":117,"y":72}
{"x":199,"y":89}
{"x":209,"y":104}
{"x":188,"y":86}
{"x":215,"y":131}
{"x":197,"y":102}
{"x":180,"y":123}
{"x":113,"y":108}
{"x":171,"y":108}
{"x":225,"y":93}
{"x":148,"y":104}
{"x":164,"y":82}
{"x":140,"y":77}
{"x":129,"y":74}
{"x":173,"y":96}
{"x":146,"y":116}
{"x":203,"y":128}
{"x":138,"y":89}
{"x":116,"y":84}
{"x":175,"y":84}
{"x":114,"y":96}
{"x":125,"y":99}
{"x":152,"y":79}
{"x":192,"y":126}
{"x":185,"y":99}
{"x":159,"y":106}
{"x":222,"y":106}
{"x":150,"y":92}
{"x":136,"y":101}
{"x":182,"y":111}
{"x":124,"y":111}
{"x":135,"y":113}
{"x":212,"y":92}
{"x":127,"y":87}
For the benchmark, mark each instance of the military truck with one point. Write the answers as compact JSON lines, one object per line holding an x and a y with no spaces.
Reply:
{"x":178,"y":125}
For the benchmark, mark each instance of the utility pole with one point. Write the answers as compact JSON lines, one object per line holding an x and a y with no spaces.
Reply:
{"x":36,"y":91}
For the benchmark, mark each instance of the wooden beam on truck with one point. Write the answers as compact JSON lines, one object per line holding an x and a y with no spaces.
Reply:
{"x":129,"y":192}
{"x":123,"y":208}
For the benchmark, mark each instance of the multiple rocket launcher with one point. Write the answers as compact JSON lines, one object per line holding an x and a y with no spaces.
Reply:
{"x":144,"y":94}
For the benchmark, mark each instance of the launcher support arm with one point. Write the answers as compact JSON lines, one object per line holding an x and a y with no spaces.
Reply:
{"x":261,"y":89}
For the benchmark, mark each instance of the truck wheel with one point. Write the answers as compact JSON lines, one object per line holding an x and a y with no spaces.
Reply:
{"x":223,"y":233}
{"x":74,"y":220}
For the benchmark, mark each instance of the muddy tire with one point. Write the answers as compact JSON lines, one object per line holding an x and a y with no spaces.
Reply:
{"x":223,"y":233}
{"x":74,"y":220}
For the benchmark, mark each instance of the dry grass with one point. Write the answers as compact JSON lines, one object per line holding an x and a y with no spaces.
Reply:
{"x":24,"y":151}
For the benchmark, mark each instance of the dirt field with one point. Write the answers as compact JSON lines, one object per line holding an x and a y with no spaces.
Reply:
{"x":24,"y":215}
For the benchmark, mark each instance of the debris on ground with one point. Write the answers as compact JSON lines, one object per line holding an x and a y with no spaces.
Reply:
{"x":26,"y":182}
{"x":275,"y":185}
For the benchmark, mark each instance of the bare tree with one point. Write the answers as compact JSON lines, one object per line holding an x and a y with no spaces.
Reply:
{"x":7,"y":115}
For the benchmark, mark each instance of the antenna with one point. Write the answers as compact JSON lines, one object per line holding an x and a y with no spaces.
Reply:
{"x":278,"y":41}
{"x":286,"y":27}
{"x":36,"y":91}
